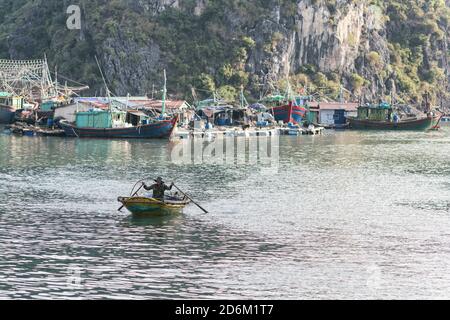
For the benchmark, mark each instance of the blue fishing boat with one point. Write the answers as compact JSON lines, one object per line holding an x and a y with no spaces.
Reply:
{"x":116,"y":123}
{"x":97,"y":123}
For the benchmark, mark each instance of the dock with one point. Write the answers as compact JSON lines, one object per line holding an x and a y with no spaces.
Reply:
{"x":301,"y":131}
{"x":25,"y":129}
{"x":184,"y":134}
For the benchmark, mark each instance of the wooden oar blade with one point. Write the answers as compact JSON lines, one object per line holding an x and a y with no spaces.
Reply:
{"x":199,"y":206}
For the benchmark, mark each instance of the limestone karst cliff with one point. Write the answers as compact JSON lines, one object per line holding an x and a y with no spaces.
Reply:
{"x":371,"y":47}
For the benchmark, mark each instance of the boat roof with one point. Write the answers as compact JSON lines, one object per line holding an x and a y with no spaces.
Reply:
{"x":97,"y":111}
{"x":5,"y":94}
{"x":137,"y":113}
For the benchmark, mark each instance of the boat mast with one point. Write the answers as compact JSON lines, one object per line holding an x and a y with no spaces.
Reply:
{"x":163,"y":109}
{"x":108,"y":93}
{"x":56,"y":80}
{"x":243,"y":101}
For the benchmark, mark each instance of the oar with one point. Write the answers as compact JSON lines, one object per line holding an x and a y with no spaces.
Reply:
{"x":120,"y":209}
{"x":191,"y":199}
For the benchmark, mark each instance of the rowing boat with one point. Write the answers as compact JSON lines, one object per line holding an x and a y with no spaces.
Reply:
{"x":142,"y":206}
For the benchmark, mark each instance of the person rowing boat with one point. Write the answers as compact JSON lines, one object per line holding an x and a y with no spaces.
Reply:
{"x":159,"y":188}
{"x":157,"y":203}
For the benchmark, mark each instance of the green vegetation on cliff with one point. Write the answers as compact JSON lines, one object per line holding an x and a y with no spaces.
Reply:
{"x":223,"y":45}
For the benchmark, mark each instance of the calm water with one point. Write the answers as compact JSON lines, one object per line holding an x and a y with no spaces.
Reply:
{"x":349,"y":215}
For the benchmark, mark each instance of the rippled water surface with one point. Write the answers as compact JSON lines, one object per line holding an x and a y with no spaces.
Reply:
{"x":347,"y":215}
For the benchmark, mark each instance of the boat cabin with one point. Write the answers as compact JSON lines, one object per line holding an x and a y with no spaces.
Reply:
{"x":100,"y":119}
{"x":7,"y":99}
{"x":137,"y":118}
{"x":381,"y":112}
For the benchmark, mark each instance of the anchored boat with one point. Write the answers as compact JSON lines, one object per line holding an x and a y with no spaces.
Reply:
{"x":100,"y":124}
{"x":382,"y":117}
{"x":116,"y":123}
{"x":286,"y":110}
{"x":141,"y":206}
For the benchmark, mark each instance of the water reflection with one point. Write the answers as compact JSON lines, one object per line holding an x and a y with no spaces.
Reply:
{"x":159,"y":221}
{"x":345,"y":215}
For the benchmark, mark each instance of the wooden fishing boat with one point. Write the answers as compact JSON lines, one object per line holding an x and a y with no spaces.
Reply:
{"x":380,"y":118}
{"x":157,"y":129}
{"x":289,"y":113}
{"x":287,"y":110}
{"x":421,"y":124}
{"x":142,"y":206}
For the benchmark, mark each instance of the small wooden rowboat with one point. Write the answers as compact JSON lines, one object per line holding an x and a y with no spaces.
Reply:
{"x":141,"y":206}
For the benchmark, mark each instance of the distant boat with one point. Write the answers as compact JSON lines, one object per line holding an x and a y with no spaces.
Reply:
{"x":286,"y":110}
{"x":382,"y":117}
{"x":115,"y":123}
{"x":289,"y":113}
{"x":112,"y":124}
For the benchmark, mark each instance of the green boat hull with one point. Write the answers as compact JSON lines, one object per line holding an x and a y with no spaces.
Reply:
{"x":423,"y":124}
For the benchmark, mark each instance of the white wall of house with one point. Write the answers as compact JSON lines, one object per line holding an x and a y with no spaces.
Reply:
{"x":68,"y":112}
{"x":326,"y":117}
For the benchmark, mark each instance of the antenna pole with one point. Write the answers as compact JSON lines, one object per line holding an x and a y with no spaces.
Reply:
{"x":104,"y":82}
{"x":163,"y":109}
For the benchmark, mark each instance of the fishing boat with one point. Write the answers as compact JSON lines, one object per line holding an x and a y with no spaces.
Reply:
{"x":286,"y":110}
{"x":142,"y":206}
{"x":8,"y":106}
{"x":112,"y":124}
{"x":383,"y":117}
{"x":117,"y":123}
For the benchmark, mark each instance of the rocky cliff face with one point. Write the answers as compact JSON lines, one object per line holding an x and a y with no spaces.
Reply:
{"x":354,"y":43}
{"x":317,"y":37}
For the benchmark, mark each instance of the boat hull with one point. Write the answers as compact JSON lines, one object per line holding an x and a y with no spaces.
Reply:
{"x":289,"y":113}
{"x":6,"y":114}
{"x":414,"y":125}
{"x":160,"y":130}
{"x":148,"y":207}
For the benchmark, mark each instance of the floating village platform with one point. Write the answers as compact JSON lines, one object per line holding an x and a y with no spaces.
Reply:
{"x":181,"y":133}
{"x":251,"y":132}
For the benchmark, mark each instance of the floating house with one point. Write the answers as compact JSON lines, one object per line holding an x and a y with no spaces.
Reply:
{"x":333,"y":114}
